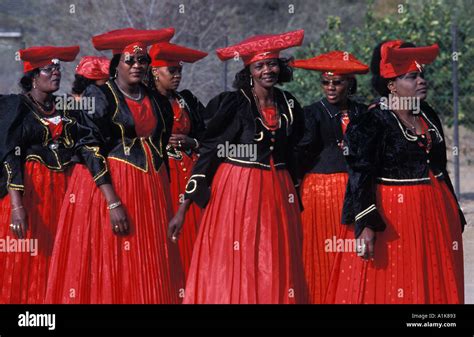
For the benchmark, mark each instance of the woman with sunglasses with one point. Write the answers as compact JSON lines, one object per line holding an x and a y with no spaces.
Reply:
{"x":248,"y":248}
{"x":39,"y":144}
{"x":132,"y":262}
{"x":407,"y":219}
{"x":90,"y":70}
{"x":324,"y":169}
{"x":188,"y":125}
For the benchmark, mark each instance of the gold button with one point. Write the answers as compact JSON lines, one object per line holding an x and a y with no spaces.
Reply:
{"x":273,"y":132}
{"x":428,"y":161}
{"x":271,"y":148}
{"x":182,"y":164}
{"x":272,"y":140}
{"x":184,"y":169}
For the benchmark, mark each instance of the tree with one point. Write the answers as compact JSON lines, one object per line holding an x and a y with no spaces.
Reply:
{"x":423,"y":23}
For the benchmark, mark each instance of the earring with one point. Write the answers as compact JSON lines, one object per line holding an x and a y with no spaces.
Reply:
{"x":251,"y":81}
{"x":116,"y":73}
{"x":156,"y":78}
{"x":34,"y":84}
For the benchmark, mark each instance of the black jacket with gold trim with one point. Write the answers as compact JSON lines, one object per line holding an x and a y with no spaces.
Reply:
{"x":236,"y":122}
{"x":196,"y":111}
{"x":25,"y":136}
{"x":113,"y":120}
{"x":382,"y":151}
{"x":321,"y":150}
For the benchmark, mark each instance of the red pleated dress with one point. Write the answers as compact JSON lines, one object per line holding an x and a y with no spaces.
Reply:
{"x":24,"y":264}
{"x":418,"y":257}
{"x":181,"y":167}
{"x":248,"y":250}
{"x":322,"y":196}
{"x":90,"y":263}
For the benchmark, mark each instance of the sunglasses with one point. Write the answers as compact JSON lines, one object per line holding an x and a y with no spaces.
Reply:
{"x":333,"y":82}
{"x":49,"y":69}
{"x":175,"y":70}
{"x":140,"y":60}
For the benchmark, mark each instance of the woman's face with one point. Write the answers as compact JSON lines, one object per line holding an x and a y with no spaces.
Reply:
{"x":168,"y":78}
{"x":265,"y":73}
{"x":410,"y":85}
{"x":48,"y":79}
{"x":335,"y":88}
{"x":132,"y":68}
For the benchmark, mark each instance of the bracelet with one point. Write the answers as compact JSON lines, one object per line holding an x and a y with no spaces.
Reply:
{"x":14,"y":209}
{"x":114,"y":205}
{"x":196,"y":142}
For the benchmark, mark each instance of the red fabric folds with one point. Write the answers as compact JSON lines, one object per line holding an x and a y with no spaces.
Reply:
{"x":181,"y":167}
{"x":24,"y":276}
{"x":418,"y":258}
{"x":323,"y":197}
{"x":92,"y":265}
{"x":248,"y":249}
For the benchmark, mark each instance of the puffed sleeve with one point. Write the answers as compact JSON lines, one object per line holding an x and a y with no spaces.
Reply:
{"x":11,"y":143}
{"x":92,"y":135}
{"x":364,"y":141}
{"x":297,"y":133}
{"x":309,"y":146}
{"x":444,"y":160}
{"x":89,"y":148}
{"x":197,"y":112}
{"x":223,"y":126}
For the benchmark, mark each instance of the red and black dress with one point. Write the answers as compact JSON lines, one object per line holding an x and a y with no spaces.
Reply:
{"x":400,"y":188}
{"x":187,"y":111}
{"x":90,"y":263}
{"x":248,"y":249}
{"x":37,"y":153}
{"x":321,"y":154}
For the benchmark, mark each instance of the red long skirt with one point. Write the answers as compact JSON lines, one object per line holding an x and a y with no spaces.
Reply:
{"x":418,"y":258}
{"x":91,"y":264}
{"x":24,"y":273}
{"x":323,"y":197}
{"x":180,"y":171}
{"x":248,"y":249}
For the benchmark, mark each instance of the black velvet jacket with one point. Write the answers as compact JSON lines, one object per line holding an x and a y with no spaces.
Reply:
{"x":382,"y":151}
{"x":113,"y":120}
{"x":25,"y":136}
{"x":236,"y":121}
{"x":195,"y":110}
{"x":320,"y":150}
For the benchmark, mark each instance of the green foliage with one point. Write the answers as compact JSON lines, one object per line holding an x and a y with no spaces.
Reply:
{"x":422,"y":22}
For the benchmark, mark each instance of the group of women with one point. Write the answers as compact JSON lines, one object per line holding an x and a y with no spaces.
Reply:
{"x":132,"y":202}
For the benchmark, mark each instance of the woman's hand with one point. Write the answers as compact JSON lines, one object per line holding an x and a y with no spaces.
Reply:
{"x":182,"y":142}
{"x":366,"y":244}
{"x":119,"y":221}
{"x":118,"y":216}
{"x":19,"y":224}
{"x":176,"y":224}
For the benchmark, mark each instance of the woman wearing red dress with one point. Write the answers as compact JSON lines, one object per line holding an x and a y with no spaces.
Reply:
{"x":408,"y":222}
{"x":132,"y":262}
{"x":325,"y":169}
{"x":188,"y":125}
{"x":248,"y":248}
{"x":90,"y":70}
{"x":39,"y":144}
